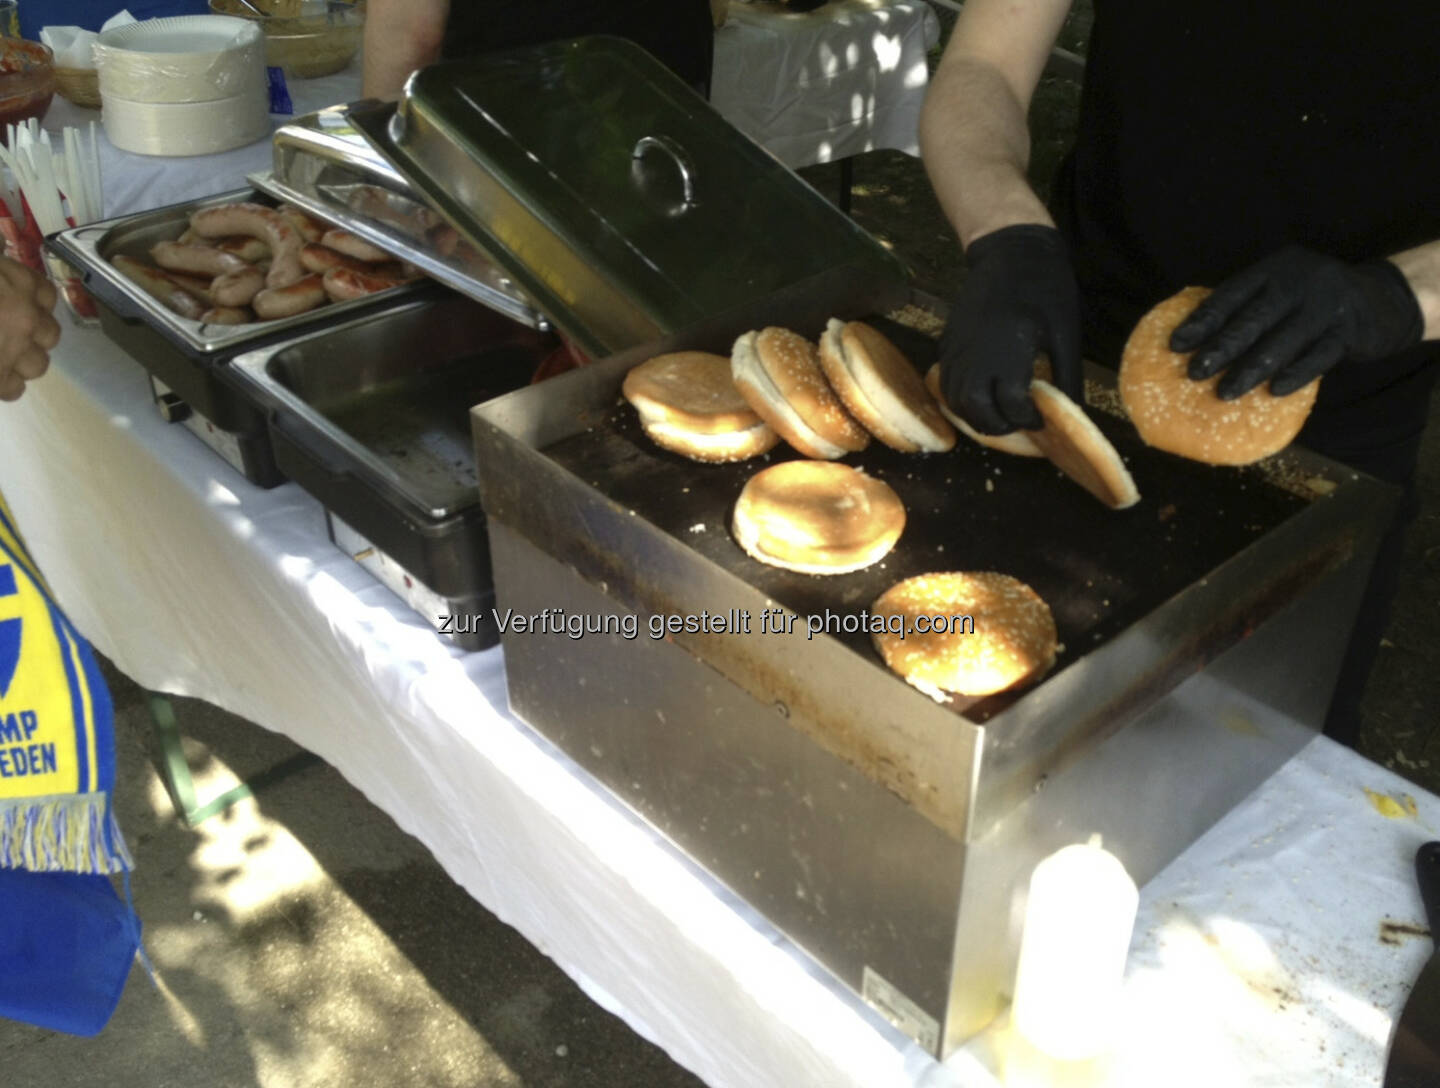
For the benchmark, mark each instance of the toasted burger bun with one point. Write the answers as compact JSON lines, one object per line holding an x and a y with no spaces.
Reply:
{"x":691,"y":390}
{"x":778,"y":373}
{"x":882,"y":389}
{"x":1173,"y":413}
{"x":1016,"y":442}
{"x":1013,"y":640}
{"x":714,"y":448}
{"x":689,"y":405}
{"x":1077,"y":447}
{"x":817,"y":517}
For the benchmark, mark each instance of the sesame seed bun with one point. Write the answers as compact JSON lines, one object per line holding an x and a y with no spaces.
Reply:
{"x":689,"y":389}
{"x":817,"y":517}
{"x":1078,"y":448}
{"x":689,"y":405}
{"x":1016,"y":442}
{"x":1173,"y":413}
{"x":882,"y":389}
{"x":1013,"y":641}
{"x":778,"y":373}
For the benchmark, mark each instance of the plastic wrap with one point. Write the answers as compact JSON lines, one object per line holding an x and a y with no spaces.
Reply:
{"x":72,"y":45}
{"x":186,"y":59}
{"x":189,"y":128}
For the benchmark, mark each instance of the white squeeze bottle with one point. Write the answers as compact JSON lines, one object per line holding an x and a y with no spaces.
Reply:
{"x":1078,"y":922}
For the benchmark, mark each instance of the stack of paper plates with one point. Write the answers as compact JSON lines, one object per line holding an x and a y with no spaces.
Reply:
{"x":189,"y":85}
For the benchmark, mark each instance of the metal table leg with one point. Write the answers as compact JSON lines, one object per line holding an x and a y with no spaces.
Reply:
{"x":175,"y":771}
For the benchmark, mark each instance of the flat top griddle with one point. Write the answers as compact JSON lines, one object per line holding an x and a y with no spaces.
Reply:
{"x":1099,"y":570}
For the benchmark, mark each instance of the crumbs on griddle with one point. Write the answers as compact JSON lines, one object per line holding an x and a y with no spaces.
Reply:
{"x":1104,"y":398}
{"x":1286,"y":473}
{"x":918,"y":318}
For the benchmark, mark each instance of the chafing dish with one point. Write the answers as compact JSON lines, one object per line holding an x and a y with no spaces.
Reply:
{"x":185,"y":358}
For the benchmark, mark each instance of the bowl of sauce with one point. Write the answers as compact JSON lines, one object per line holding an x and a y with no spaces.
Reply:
{"x":27,"y":81}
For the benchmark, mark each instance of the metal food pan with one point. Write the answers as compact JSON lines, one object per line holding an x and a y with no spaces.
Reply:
{"x":370,"y":417}
{"x":92,"y":247}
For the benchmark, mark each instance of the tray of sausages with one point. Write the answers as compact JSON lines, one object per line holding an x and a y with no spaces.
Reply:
{"x":229,"y":271}
{"x":186,"y":288}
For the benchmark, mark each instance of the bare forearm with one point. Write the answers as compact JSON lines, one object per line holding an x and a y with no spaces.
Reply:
{"x":973,"y":132}
{"x":976,"y":146}
{"x":400,"y":36}
{"x":1421,"y":267}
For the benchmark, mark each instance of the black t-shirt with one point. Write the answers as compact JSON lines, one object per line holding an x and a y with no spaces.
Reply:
{"x":1214,"y":131}
{"x":680,"y":33}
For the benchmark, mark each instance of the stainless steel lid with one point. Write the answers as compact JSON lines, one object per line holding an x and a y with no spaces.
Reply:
{"x":611,"y":194}
{"x":323,"y":164}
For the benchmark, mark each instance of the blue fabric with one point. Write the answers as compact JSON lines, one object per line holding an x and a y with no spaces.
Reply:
{"x":91,"y":13}
{"x":65,"y":949}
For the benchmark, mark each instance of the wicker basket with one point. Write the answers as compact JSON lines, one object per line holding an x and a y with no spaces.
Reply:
{"x":79,"y":85}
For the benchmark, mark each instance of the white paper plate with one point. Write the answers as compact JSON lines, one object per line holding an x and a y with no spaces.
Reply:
{"x":188,"y":128}
{"x":187,"y":58}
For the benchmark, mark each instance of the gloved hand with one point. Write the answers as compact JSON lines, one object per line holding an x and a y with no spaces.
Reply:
{"x":1019,"y":298}
{"x":1292,"y":316}
{"x":27,"y":329}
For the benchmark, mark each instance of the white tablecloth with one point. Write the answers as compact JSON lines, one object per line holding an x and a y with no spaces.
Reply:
{"x":1258,"y":958}
{"x":820,"y":86}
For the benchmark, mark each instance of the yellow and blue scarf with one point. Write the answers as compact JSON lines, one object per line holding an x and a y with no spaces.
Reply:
{"x":57,"y":745}
{"x":68,"y":939}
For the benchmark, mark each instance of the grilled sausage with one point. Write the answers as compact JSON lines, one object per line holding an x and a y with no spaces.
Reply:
{"x":445,"y":240}
{"x":343,"y":284}
{"x":227,"y":315}
{"x":322,"y":258}
{"x":237,"y":288}
{"x":342,"y":241}
{"x":191,"y":285}
{"x":310,"y":229}
{"x":247,"y":249}
{"x":196,"y":259}
{"x":383,"y":206}
{"x":256,"y":221}
{"x":294,"y":298}
{"x":160,"y":287}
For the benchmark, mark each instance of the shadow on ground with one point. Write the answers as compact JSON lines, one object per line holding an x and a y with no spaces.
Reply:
{"x":302,"y":939}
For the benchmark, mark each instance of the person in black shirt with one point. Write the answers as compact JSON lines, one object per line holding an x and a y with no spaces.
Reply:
{"x":1283,"y":151}
{"x":403,"y":35}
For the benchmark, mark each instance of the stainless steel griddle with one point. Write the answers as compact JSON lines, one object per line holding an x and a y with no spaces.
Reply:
{"x":888,"y":835}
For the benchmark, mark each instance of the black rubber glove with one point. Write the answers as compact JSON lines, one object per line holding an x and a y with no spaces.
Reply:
{"x":1294,"y":315}
{"x":1019,"y":298}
